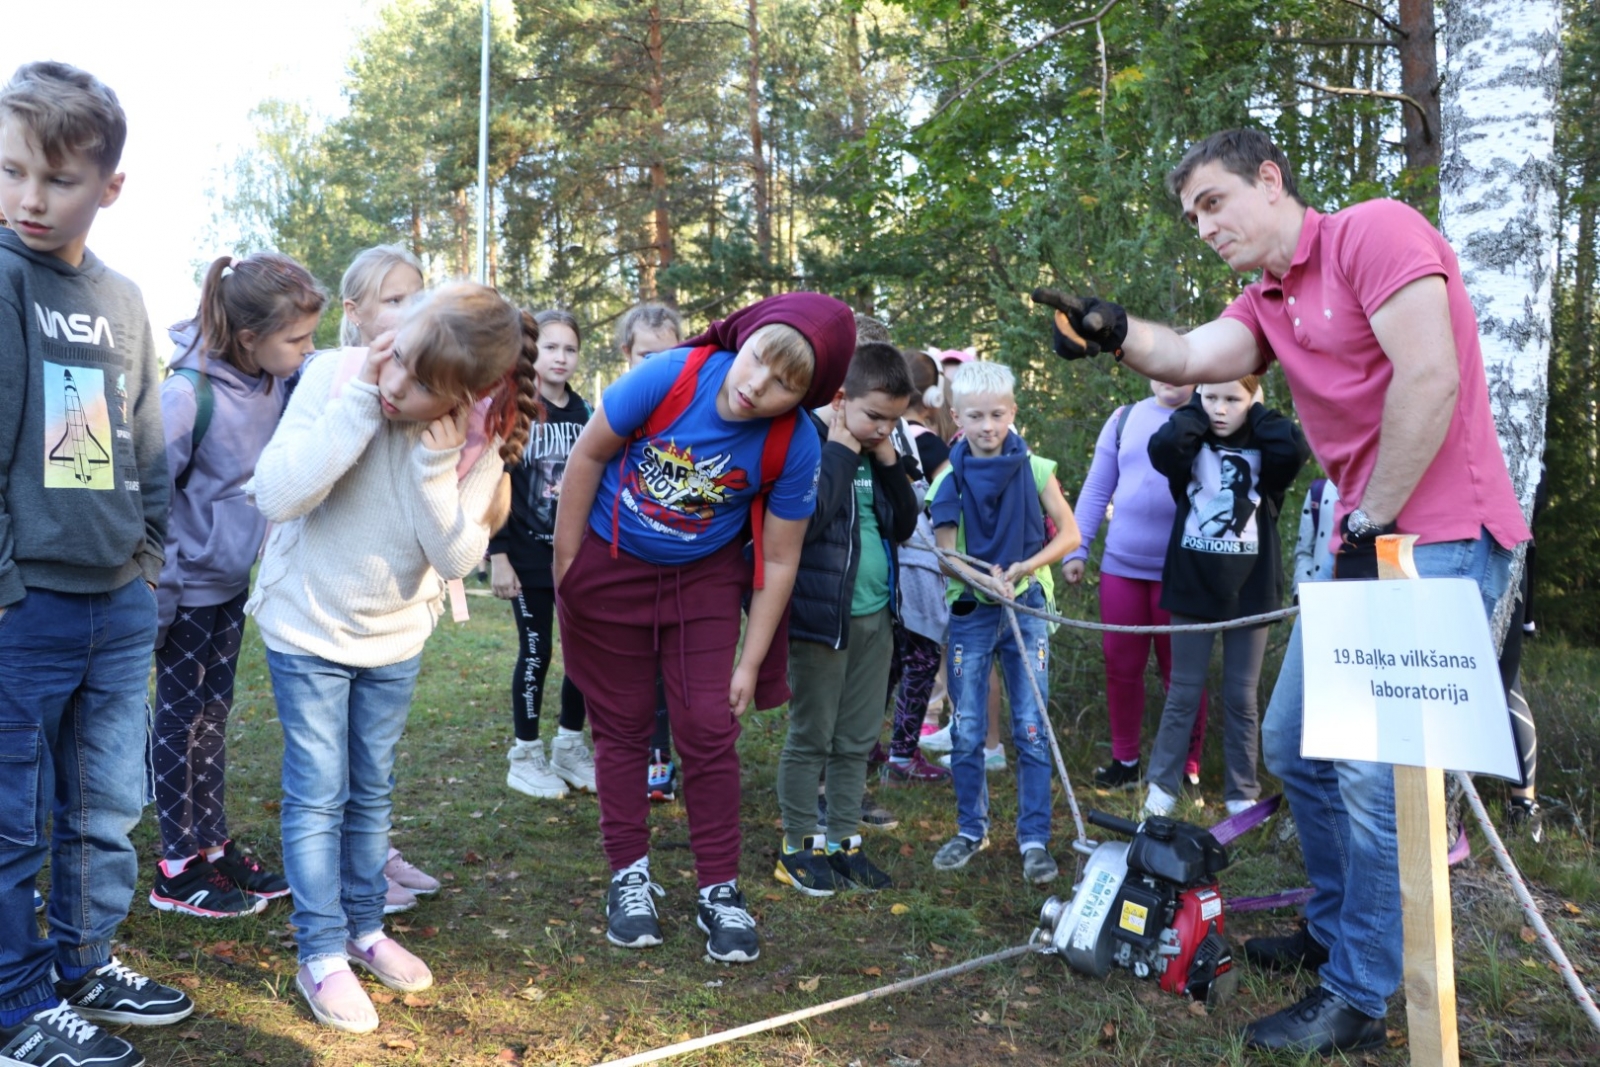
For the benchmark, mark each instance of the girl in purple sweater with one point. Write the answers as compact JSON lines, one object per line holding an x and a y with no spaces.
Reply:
{"x":1130,"y":571}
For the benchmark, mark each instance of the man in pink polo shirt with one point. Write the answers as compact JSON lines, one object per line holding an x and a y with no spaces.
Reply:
{"x":1366,"y":311}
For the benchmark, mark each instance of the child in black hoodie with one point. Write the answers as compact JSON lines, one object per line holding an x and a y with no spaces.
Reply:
{"x":1228,"y":462}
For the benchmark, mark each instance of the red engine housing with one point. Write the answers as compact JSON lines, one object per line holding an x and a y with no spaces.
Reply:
{"x":1203,"y":954}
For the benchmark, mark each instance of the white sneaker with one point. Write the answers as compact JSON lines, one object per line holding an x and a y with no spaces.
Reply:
{"x":1236,"y":807}
{"x":530,"y":773}
{"x":938,"y":741}
{"x":994,"y":759}
{"x":1157,"y":801}
{"x":571,"y":759}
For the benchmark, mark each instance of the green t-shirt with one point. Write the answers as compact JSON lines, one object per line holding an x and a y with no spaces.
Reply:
{"x":871,"y":593}
{"x":1043,"y":471}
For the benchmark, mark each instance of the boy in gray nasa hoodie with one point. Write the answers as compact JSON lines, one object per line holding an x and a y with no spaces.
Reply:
{"x":83,"y":514}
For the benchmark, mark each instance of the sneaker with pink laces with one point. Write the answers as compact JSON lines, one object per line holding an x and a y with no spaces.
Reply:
{"x":392,"y":964}
{"x":916,"y":770}
{"x":399,"y":871}
{"x":338,"y":1000}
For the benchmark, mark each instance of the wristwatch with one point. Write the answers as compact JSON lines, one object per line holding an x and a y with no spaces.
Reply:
{"x":1360,"y":525}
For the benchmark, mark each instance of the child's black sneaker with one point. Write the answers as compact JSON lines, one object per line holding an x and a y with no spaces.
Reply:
{"x":60,"y":1037}
{"x":201,"y":889}
{"x":245,"y":872}
{"x":730,"y":931}
{"x":122,"y":996}
{"x":851,"y":866}
{"x":875,"y":816}
{"x":806,"y":869}
{"x":1118,"y":775}
{"x":630,"y":913}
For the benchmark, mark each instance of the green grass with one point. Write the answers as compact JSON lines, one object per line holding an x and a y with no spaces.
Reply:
{"x":524,"y":974}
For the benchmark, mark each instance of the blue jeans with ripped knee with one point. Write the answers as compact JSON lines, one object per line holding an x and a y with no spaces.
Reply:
{"x":976,"y":638}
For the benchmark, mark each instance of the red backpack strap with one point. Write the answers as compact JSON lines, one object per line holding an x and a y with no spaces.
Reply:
{"x":774,"y":453}
{"x":674,"y":404}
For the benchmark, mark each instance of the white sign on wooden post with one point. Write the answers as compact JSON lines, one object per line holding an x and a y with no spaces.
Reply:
{"x":1403,"y":672}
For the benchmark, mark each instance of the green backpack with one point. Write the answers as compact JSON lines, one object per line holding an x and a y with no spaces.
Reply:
{"x":205,"y":403}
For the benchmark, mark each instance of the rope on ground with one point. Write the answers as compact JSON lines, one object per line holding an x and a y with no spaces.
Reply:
{"x":1530,"y":909}
{"x":724,"y":1036}
{"x":1244,"y":622}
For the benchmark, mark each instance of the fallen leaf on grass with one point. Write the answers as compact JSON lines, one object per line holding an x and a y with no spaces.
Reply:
{"x":1527,"y":935}
{"x":380,"y":997}
{"x":907,"y":851}
{"x":1032,"y":990}
{"x":1019,"y":1004}
{"x":471,"y":858}
{"x":1027,"y":972}
{"x":254,"y":1056}
{"x":771,"y":896}
{"x":552,"y":921}
{"x":808,"y":985}
{"x":401,"y":1043}
{"x":532,"y":992}
{"x":872,"y":972}
{"x":188,"y":981}
{"x":189,"y":1035}
{"x":878,"y":1028}
{"x":937,"y":949}
{"x":428,"y":931}
{"x":505,"y":1055}
{"x":411,"y":1000}
{"x":1197,"y":1008}
{"x":899,"y":909}
{"x":1572,"y":909}
{"x":1108,"y":1033}
{"x":984,"y":1017}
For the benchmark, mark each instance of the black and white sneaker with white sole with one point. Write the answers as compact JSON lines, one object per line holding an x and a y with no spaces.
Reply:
{"x":730,"y":931}
{"x":122,"y":996}
{"x":60,"y":1037}
{"x":630,"y":913}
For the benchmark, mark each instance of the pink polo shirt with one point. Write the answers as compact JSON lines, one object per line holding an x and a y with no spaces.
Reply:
{"x":1315,"y":320}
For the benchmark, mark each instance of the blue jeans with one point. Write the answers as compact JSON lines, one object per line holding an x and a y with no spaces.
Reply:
{"x":73,"y":672}
{"x":341,"y":726}
{"x":976,"y":638}
{"x":1344,"y":811}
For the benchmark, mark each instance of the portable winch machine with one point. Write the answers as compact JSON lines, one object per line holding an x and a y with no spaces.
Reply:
{"x":1149,"y":904}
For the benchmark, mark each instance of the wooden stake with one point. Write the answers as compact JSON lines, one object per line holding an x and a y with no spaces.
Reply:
{"x":1421,"y":826}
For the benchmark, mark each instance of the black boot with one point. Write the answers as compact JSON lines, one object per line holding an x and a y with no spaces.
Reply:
{"x":1322,"y":1023}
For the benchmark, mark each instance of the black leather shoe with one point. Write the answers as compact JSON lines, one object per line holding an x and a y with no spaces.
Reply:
{"x":1298,"y":949}
{"x":1322,"y":1023}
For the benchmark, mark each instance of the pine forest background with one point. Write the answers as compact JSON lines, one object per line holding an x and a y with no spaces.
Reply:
{"x":928,"y":161}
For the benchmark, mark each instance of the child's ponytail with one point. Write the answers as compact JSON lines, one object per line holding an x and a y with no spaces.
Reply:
{"x":260,"y":294}
{"x":516,"y":407}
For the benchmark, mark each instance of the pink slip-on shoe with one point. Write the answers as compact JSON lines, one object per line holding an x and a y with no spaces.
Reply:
{"x":401,"y":872}
{"x":338,"y":1000}
{"x":392,"y":964}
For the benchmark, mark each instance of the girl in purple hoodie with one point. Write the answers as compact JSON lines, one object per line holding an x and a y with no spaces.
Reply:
{"x":220,"y":404}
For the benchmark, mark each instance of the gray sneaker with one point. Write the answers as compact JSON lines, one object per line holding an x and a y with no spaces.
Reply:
{"x":955,"y":853}
{"x":1038,"y":866}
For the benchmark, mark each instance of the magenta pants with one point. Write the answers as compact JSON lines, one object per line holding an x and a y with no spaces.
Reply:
{"x":1136,"y":602}
{"x":623,"y":621}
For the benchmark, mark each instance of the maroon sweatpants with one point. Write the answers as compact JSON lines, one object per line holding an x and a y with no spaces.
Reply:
{"x":622,"y":621}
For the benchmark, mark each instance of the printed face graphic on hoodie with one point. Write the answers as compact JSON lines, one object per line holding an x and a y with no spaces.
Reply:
{"x":1223,"y":501}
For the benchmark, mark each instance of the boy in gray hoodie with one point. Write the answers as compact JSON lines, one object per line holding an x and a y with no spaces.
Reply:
{"x":83,"y":512}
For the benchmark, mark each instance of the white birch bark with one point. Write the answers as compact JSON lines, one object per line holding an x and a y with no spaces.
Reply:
{"x":1497,"y":206}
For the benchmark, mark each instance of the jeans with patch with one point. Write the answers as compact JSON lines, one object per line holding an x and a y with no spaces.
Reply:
{"x":341,"y":726}
{"x":73,"y":671}
{"x":977,"y":637}
{"x":1344,"y":811}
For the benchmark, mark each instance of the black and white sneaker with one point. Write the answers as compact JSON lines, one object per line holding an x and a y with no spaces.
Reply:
{"x":120,"y":995}
{"x":806,"y":868}
{"x":730,"y":931}
{"x":244,"y":871}
{"x":630,"y":913}
{"x":851,"y":867}
{"x":202,"y":889}
{"x":60,"y":1037}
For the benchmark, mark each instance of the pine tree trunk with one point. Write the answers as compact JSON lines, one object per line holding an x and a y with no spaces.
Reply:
{"x":1497,"y":205}
{"x":758,"y":161}
{"x":1419,"y":79}
{"x":664,"y":242}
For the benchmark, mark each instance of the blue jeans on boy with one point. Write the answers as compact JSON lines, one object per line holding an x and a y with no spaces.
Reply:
{"x":976,"y":638}
{"x":341,"y":726}
{"x":1344,"y":811}
{"x":73,"y":672}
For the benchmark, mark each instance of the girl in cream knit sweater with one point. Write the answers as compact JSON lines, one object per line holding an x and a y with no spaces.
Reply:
{"x":380,"y":490}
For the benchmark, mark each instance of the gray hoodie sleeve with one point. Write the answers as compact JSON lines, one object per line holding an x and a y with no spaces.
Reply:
{"x":13,"y":365}
{"x":150,"y":455}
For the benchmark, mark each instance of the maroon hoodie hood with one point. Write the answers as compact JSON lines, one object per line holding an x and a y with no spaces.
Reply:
{"x":828,"y":324}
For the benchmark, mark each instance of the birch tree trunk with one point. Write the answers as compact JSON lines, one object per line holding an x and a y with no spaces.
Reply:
{"x":1497,"y":205}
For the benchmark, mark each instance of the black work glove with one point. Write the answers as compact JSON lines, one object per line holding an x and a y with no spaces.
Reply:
{"x":1084,"y":325}
{"x":1357,"y":557}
